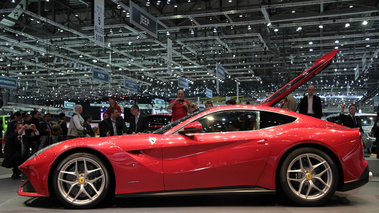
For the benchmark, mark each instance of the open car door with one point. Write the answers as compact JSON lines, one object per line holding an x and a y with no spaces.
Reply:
{"x":320,"y":64}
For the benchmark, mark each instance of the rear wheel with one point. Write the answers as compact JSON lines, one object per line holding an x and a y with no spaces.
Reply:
{"x":308,"y":177}
{"x":81,"y":180}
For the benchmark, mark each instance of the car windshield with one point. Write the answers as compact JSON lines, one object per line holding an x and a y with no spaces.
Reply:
{"x":159,"y":119}
{"x":367,"y":120}
{"x":173,"y":124}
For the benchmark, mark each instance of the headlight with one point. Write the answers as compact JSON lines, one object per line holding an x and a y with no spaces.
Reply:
{"x":42,"y":150}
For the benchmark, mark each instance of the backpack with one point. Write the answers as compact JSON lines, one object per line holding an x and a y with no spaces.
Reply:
{"x":57,"y":128}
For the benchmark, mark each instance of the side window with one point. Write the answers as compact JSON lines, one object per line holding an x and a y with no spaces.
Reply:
{"x":229,"y":121}
{"x":269,"y":119}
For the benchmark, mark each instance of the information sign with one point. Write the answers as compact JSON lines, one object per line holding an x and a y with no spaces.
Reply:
{"x":8,"y":82}
{"x":99,"y":75}
{"x":130,"y":84}
{"x":143,"y":20}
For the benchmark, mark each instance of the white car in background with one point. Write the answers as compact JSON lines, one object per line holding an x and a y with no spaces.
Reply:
{"x":367,"y":121}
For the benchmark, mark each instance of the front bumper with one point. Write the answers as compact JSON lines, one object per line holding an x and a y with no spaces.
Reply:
{"x":362,"y":180}
{"x":27,"y":189}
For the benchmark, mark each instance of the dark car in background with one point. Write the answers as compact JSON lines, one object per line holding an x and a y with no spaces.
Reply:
{"x":157,"y":121}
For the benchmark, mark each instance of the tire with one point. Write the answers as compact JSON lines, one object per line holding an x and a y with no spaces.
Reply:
{"x":308,"y":177}
{"x":81,"y":180}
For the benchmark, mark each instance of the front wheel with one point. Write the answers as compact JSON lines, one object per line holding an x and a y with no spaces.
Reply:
{"x":308,"y":177}
{"x":81,"y":180}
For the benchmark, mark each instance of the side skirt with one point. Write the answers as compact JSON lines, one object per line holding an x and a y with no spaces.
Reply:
{"x":209,"y":191}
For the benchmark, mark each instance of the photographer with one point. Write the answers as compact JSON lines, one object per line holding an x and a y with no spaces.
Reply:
{"x":18,"y":147}
{"x":179,"y":106}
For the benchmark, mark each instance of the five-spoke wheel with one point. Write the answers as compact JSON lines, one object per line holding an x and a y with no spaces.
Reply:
{"x":308,"y":176}
{"x":81,"y":181}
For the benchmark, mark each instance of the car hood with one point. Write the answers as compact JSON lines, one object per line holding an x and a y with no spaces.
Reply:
{"x":320,"y":64}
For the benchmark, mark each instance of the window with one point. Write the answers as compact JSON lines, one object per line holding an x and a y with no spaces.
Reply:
{"x":269,"y":119}
{"x":367,"y":120}
{"x":229,"y":121}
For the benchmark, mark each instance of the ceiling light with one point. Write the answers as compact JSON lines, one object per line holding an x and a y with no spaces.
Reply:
{"x":13,"y":1}
{"x":367,"y":39}
{"x":94,"y":60}
{"x":127,"y":14}
{"x":268,"y":24}
{"x":215,"y":30}
{"x":367,"y":45}
{"x":175,"y":5}
{"x":337,"y":42}
{"x":320,"y":26}
{"x":351,"y":6}
{"x":310,"y":50}
{"x":193,"y":32}
{"x":347,"y":25}
{"x":147,"y":3}
{"x":276,"y":29}
{"x":168,"y":2}
{"x":249,"y":27}
{"x":189,"y":1}
{"x":158,"y":2}
{"x":299,"y":28}
{"x":311,"y":42}
{"x":336,"y":48}
{"x":120,"y":30}
{"x":118,"y":5}
{"x":230,"y":1}
{"x":168,"y":33}
{"x":293,"y":11}
{"x":364,"y":22}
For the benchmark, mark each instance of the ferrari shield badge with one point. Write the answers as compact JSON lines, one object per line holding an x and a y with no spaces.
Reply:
{"x":152,"y":140}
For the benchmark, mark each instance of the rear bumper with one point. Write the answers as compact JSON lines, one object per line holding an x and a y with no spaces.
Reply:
{"x":362,"y":180}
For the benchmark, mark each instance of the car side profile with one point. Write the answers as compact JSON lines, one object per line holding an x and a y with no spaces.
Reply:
{"x":241,"y":146}
{"x":222,"y":149}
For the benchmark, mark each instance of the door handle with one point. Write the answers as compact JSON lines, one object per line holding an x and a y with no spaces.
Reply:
{"x":262,"y":141}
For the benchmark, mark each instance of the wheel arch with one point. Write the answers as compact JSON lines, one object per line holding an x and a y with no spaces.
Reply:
{"x":330,"y":153}
{"x":78,"y":150}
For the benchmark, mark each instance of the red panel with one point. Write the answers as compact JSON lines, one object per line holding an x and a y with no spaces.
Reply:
{"x":214,"y":159}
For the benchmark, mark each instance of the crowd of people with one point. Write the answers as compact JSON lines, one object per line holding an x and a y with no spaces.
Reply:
{"x":28,"y":133}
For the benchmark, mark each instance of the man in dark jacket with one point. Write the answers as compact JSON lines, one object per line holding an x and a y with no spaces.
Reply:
{"x":18,"y":147}
{"x":311,"y":104}
{"x":114,"y":125}
{"x":350,"y":120}
{"x":17,"y":118}
{"x":87,"y":124}
{"x":138,"y":122}
{"x":375,"y":132}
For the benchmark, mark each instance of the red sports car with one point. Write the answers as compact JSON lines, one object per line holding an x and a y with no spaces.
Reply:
{"x":242,"y":147}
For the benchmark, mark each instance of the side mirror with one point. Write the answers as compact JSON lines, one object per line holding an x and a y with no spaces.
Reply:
{"x":194,"y":127}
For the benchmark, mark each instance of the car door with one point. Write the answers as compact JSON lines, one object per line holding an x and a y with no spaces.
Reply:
{"x":221,"y":155}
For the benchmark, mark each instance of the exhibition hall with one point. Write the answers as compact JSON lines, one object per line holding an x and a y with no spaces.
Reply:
{"x":189,"y":105}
